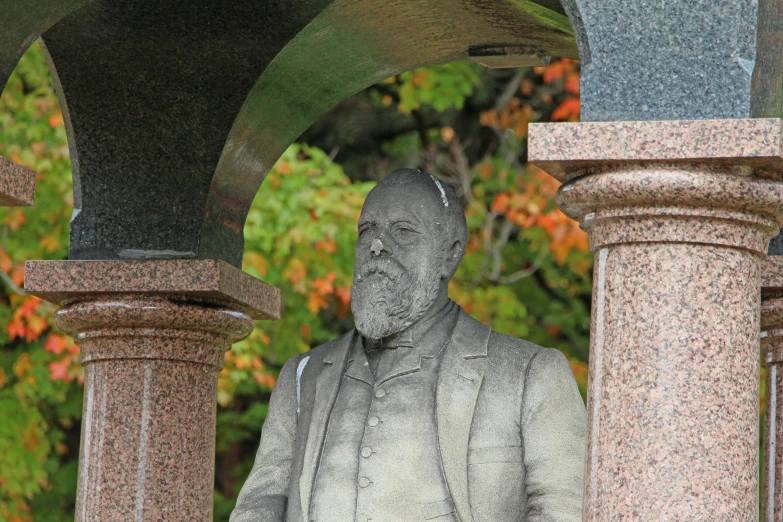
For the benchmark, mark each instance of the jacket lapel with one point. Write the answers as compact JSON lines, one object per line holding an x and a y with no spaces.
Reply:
{"x":459,"y":381}
{"x":327,"y":385}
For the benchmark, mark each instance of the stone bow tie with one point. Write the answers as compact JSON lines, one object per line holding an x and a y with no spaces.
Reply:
{"x":401,"y":340}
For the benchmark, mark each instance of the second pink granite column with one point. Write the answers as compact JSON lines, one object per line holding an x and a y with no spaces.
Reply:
{"x":679,"y":230}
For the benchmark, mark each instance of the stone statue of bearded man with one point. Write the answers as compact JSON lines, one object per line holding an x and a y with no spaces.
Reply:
{"x":421,"y":412}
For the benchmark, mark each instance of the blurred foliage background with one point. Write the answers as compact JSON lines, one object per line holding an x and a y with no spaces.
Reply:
{"x":526,"y":271}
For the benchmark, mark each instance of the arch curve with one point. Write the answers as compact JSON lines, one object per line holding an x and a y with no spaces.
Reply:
{"x":349,"y":46}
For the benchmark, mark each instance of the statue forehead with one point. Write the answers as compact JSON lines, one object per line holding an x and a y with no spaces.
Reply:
{"x":407,"y":193}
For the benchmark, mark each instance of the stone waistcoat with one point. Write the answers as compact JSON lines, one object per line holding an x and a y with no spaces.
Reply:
{"x":381,"y":460}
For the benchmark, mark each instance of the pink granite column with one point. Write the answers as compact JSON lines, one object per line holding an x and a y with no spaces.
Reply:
{"x":152,"y":335}
{"x":679,"y":216}
{"x":772,"y":352}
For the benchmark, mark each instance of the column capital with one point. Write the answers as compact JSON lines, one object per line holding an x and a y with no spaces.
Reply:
{"x":711,"y":182}
{"x":209,"y":281}
{"x":132,"y":327}
{"x":752,"y":146}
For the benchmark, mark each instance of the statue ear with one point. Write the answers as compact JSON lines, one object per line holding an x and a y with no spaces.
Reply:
{"x":451,"y":260}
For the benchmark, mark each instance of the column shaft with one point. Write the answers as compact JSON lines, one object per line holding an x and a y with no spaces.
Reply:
{"x":673,"y":393}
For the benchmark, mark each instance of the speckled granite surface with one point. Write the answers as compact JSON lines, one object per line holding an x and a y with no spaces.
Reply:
{"x":569,"y":149}
{"x":679,"y":223}
{"x":148,"y":429}
{"x":207,"y":280}
{"x":17,"y":184}
{"x":772,"y":347}
{"x":772,"y":277}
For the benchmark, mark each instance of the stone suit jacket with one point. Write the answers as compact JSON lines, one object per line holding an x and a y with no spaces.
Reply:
{"x":511,"y":429}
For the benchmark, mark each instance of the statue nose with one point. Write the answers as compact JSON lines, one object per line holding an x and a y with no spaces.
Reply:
{"x":376,"y":247}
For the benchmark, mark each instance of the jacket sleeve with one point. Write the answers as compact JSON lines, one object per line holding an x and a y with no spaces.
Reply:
{"x":264,"y":496}
{"x":554,"y":425}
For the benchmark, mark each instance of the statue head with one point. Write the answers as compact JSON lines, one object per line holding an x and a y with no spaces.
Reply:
{"x":412,"y":235}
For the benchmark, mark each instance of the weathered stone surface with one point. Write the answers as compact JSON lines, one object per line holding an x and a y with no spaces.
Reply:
{"x":420,"y":412}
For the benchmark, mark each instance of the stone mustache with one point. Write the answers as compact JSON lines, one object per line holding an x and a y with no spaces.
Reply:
{"x":421,"y":412}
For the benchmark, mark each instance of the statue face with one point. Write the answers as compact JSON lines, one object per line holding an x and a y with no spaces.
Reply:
{"x":399,"y":257}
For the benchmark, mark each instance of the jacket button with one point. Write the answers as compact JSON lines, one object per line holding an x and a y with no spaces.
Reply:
{"x":364,"y":482}
{"x":380,"y":393}
{"x":366,"y":452}
{"x":373,"y":421}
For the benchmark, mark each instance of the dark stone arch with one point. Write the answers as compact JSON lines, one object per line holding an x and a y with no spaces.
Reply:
{"x":150,"y":90}
{"x":164,"y":167}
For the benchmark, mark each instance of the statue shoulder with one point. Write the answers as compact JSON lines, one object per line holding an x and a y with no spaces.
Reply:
{"x":504,"y":347}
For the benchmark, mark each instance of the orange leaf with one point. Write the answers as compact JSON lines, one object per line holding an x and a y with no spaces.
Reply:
{"x":315,"y":302}
{"x":15,"y":219}
{"x":572,"y":83}
{"x":344,"y":295}
{"x":323,"y":286}
{"x":17,"y":275}
{"x":50,"y":243}
{"x":58,"y":370}
{"x":55,"y":344}
{"x":55,"y":120}
{"x":568,"y":110}
{"x":15,"y":328}
{"x":326,"y":245}
{"x":265,"y":380}
{"x":501,"y":202}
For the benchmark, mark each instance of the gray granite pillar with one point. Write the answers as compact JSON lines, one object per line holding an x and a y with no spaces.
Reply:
{"x":152,"y":336}
{"x":680,"y":215}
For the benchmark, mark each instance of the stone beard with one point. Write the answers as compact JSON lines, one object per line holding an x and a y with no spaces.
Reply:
{"x":387,"y":299}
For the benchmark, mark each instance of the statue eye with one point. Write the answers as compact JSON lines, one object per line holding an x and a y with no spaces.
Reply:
{"x":403,"y":231}
{"x":365,"y":229}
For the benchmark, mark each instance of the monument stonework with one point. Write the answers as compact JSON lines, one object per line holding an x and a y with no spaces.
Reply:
{"x":420,"y":412}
